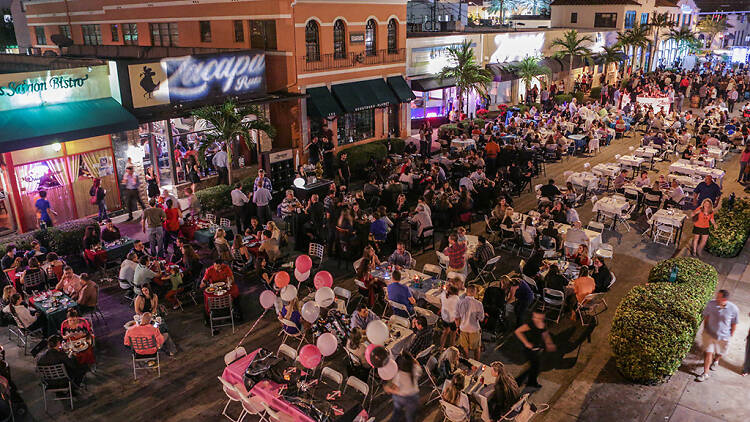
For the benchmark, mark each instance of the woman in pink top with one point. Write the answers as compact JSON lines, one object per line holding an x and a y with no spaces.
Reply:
{"x":744,"y":158}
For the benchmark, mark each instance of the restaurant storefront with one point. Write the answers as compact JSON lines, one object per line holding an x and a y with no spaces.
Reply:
{"x":57,"y":135}
{"x":162,"y":95}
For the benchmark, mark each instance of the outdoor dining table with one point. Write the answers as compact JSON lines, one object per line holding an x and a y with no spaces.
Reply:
{"x":119,"y":248}
{"x":399,"y":338}
{"x":685,"y":181}
{"x":588,"y":180}
{"x":631,"y":161}
{"x":207,"y":235}
{"x":580,"y":141}
{"x":691,"y":170}
{"x":608,"y":170}
{"x":717,"y":153}
{"x":672,"y":217}
{"x":272,"y":392}
{"x":646,"y":152}
{"x":54,"y":304}
{"x":703,"y":160}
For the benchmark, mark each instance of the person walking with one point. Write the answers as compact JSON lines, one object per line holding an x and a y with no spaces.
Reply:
{"x":704,"y":217}
{"x":404,"y":389}
{"x":97,"y":194}
{"x":469,"y":313}
{"x":261,"y":199}
{"x":220,"y":162}
{"x":152,"y":183}
{"x":744,"y":159}
{"x":536,"y":339}
{"x":731,"y":99}
{"x":130,"y":192}
{"x":719,"y":324}
{"x":153,"y":218}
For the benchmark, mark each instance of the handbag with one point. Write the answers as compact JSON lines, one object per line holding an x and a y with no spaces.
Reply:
{"x":524,"y":410}
{"x":93,"y":200}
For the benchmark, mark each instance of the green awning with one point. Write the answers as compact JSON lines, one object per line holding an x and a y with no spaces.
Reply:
{"x":431,"y":83}
{"x":401,"y":88}
{"x":37,"y":126}
{"x":321,"y":103}
{"x":383,"y":95}
{"x":355,"y":96}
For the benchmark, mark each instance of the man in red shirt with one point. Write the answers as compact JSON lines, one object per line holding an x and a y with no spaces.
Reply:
{"x":145,"y":329}
{"x":490,"y":152}
{"x":456,"y":253}
{"x":219,"y":272}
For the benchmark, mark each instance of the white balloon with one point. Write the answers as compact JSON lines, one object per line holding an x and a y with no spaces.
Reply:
{"x":324,"y":297}
{"x":631,"y":148}
{"x":301,"y":276}
{"x":288,"y":293}
{"x":388,"y":371}
{"x":586,"y":165}
{"x":377,"y":332}
{"x":267,"y":299}
{"x":617,"y":156}
{"x":327,"y":343}
{"x":310,"y":312}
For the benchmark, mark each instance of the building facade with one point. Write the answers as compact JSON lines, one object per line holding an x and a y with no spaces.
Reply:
{"x":329,"y":47}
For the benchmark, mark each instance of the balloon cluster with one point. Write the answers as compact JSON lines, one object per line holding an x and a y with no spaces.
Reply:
{"x":376,"y":354}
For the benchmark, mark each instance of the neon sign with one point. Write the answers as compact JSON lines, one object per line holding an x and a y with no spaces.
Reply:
{"x":39,"y":85}
{"x":32,"y":89}
{"x":193,"y":77}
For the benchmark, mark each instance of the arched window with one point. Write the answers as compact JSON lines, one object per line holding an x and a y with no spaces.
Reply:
{"x":312,"y":42}
{"x":339,"y":39}
{"x":370,"y":37}
{"x":392,"y":36}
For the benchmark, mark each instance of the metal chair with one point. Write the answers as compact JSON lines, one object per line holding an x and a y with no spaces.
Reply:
{"x":344,"y":294}
{"x":24,"y":334}
{"x":591,"y":306}
{"x":612,"y":282}
{"x":233,"y":395}
{"x":424,"y":353}
{"x":605,"y":251}
{"x":96,"y":313}
{"x":141,"y":354}
{"x":395,"y":306}
{"x":219,"y":310}
{"x":252,"y":405}
{"x":555,"y":299}
{"x":129,"y":294}
{"x":492,"y":235}
{"x":488,"y":269}
{"x":34,"y":281}
{"x":426,"y":238}
{"x":664,"y":232}
{"x":358,"y":385}
{"x":316,"y":252}
{"x":453,"y":413}
{"x":211,"y":218}
{"x":300,"y":335}
{"x":442,"y":260}
{"x":55,"y":379}
{"x":332,"y":375}
{"x":595,"y":226}
{"x":507,"y":238}
{"x":234,"y":355}
{"x":225,"y":223}
{"x":399,"y":320}
{"x":286,"y":350}
{"x":433,"y":270}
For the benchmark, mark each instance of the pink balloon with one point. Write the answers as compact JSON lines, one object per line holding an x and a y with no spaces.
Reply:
{"x":310,"y":356}
{"x":303,"y":264}
{"x":281,"y":279}
{"x":323,"y":279}
{"x":368,"y":352}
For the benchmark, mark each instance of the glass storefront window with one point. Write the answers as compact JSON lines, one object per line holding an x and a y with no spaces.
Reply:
{"x":155,"y":143}
{"x":357,"y":126}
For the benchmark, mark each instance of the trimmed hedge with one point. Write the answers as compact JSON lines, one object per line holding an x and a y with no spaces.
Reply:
{"x":655,"y":324}
{"x":65,"y":239}
{"x":563,"y":98}
{"x":595,"y":93}
{"x":359,"y":156}
{"x":732,"y":229}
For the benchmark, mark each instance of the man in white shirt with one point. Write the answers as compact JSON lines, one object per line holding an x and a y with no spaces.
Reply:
{"x":469,"y":312}
{"x":239,"y":206}
{"x":423,"y":221}
{"x":142,"y":274}
{"x":465,"y":181}
{"x":127,"y":268}
{"x":576,"y":234}
{"x":676,"y":195}
{"x":220,"y":162}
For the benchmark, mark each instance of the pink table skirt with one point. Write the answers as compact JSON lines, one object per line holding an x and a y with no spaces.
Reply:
{"x":235,"y":371}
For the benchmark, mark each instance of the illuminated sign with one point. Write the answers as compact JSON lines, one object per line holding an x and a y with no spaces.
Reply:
{"x":21,"y":90}
{"x":197,"y":77}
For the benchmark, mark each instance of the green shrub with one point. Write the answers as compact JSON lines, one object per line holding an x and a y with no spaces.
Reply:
{"x":217,"y":198}
{"x":479,"y":122}
{"x":397,"y":145}
{"x":595,"y":93}
{"x":359,"y":157}
{"x":563,"y":98}
{"x":65,"y":239}
{"x":732,"y":228}
{"x":448,"y":127}
{"x":579,"y":97}
{"x":655,"y":324}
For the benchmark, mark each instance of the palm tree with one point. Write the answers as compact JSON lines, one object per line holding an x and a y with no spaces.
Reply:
{"x":229,"y":121}
{"x":712,"y":27}
{"x":685,"y":38}
{"x":611,"y":55}
{"x":468,"y":74}
{"x":658,"y":22}
{"x":528,"y":69}
{"x":571,"y":45}
{"x":500,"y":6}
{"x":636,"y":37}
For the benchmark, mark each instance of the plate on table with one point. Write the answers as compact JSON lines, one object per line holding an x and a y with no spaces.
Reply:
{"x":129,"y":324}
{"x":220,"y":292}
{"x":211,"y":289}
{"x":219,"y":284}
{"x":57,"y":294}
{"x":52,"y":309}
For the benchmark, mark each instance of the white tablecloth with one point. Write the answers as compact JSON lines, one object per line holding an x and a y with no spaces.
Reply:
{"x":684,"y":181}
{"x":691,"y":169}
{"x":658,"y":103}
{"x":646,"y":152}
{"x":704,"y":161}
{"x":577,"y":137}
{"x":396,"y":345}
{"x":609,"y":170}
{"x":594,"y":238}
{"x":676,"y":218}
{"x":717,"y":153}
{"x":631,"y":161}
{"x":589,"y":180}
{"x":458,"y":144}
{"x":611,"y":205}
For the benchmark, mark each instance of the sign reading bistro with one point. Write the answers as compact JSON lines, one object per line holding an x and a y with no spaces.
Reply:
{"x":32,"y":89}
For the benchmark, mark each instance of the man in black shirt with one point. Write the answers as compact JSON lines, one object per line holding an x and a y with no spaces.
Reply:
{"x":422,"y":335}
{"x":9,"y":257}
{"x":344,"y":171}
{"x":550,"y":190}
{"x":328,"y":147}
{"x":313,"y":149}
{"x":54,"y":355}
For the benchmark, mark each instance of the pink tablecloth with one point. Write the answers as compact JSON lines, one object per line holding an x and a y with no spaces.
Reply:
{"x":235,"y":371}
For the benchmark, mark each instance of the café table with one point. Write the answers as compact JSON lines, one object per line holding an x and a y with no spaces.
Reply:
{"x":480,"y":387}
{"x":586,"y":179}
{"x":218,"y":290}
{"x":681,"y":167}
{"x":631,"y":161}
{"x":273,"y":394}
{"x":580,"y":141}
{"x":55,"y":310}
{"x":609,"y":170}
{"x":119,"y":249}
{"x":704,"y":161}
{"x":672,"y":217}
{"x":646,"y":152}
{"x":717,"y":153}
{"x":685,"y":181}
{"x":399,"y":338}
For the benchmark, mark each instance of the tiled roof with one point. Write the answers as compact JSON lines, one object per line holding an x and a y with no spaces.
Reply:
{"x":666,"y":3}
{"x":591,"y":2}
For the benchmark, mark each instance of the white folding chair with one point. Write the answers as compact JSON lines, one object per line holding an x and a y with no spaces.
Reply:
{"x":488,"y":269}
{"x":253,"y":405}
{"x":225,"y":222}
{"x":299,"y":335}
{"x":591,"y":306}
{"x":211,"y":218}
{"x":234,"y":355}
{"x":356,"y":264}
{"x":424,"y":353}
{"x":442,"y":260}
{"x":605,"y":251}
{"x":316,"y":252}
{"x":358,"y":385}
{"x":220,"y":311}
{"x":555,"y":300}
{"x":433,"y":270}
{"x":332,"y":375}
{"x":664,"y":232}
{"x":233,"y":395}
{"x":53,"y":379}
{"x":400,"y":307}
{"x":595,"y":226}
{"x":399,"y":320}
{"x":288,"y":351}
{"x":344,"y":294}
{"x":453,"y":413}
{"x":612,"y":282}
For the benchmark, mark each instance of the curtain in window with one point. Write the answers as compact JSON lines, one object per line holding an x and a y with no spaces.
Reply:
{"x":58,"y":170}
{"x":91,"y":160}
{"x":75,"y":165}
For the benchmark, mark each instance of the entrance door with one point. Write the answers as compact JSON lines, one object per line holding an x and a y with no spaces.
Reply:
{"x":394,"y":121}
